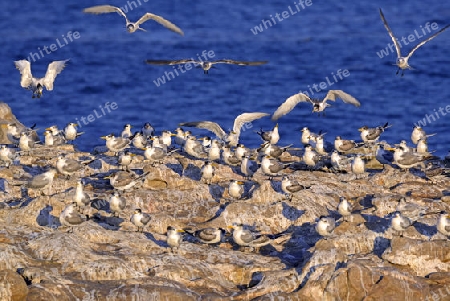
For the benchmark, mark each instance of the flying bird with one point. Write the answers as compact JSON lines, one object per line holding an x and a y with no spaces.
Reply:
{"x":318,"y":105}
{"x":205,"y":65}
{"x":233,"y":137}
{"x":402,"y":61}
{"x":132,"y":27}
{"x":35,"y":84}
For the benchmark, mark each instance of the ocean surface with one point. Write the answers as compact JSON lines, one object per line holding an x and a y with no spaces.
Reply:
{"x":308,"y":46}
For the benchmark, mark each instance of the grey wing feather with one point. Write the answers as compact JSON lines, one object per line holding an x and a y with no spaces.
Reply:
{"x":53,"y":70}
{"x":207,"y":125}
{"x":424,"y":41}
{"x":290,"y":104}
{"x":166,"y":23}
{"x":38,"y":181}
{"x":246,"y":118}
{"x":74,"y":219}
{"x":25,"y":70}
{"x":409,"y":158}
{"x":207,"y":234}
{"x":173,"y":62}
{"x":103,"y":9}
{"x":347,"y":98}
{"x":242,"y":63}
{"x":405,"y":223}
{"x":72,"y":165}
{"x":247,"y":237}
{"x":145,"y":218}
{"x":397,"y":46}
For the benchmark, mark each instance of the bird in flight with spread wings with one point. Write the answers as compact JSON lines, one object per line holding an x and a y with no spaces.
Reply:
{"x":132,"y":27}
{"x":233,"y":137}
{"x":205,"y":65}
{"x":402,"y":61}
{"x":35,"y":84}
{"x":318,"y":105}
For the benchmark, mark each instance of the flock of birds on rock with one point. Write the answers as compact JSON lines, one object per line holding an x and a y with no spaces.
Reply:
{"x":225,"y":148}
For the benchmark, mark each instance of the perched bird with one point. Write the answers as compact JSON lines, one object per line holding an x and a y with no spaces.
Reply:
{"x":80,"y":197}
{"x":58,"y":136}
{"x":206,"y":142}
{"x":68,"y":167}
{"x":7,"y":155}
{"x":13,"y":133}
{"x":154,"y":154}
{"x":147,"y":130}
{"x":241,"y":151}
{"x":402,"y":61}
{"x":166,"y":138}
{"x":372,"y":134}
{"x":70,"y":217}
{"x":207,"y":172}
{"x":125,"y":159}
{"x":43,"y":180}
{"x":400,"y":223}
{"x":116,"y":144}
{"x":174,"y":238}
{"x":382,"y":155}
{"x":229,"y":157}
{"x":209,"y":235}
{"x":273,"y":150}
{"x":194,"y":148}
{"x":248,"y":167}
{"x":358,"y":166}
{"x":116,"y":203}
{"x":271,"y":167}
{"x":139,"y":141}
{"x":236,"y":189}
{"x":48,"y":138}
{"x":205,"y":65}
{"x":407,"y":160}
{"x":270,"y":136}
{"x":343,"y":146}
{"x":307,"y":136}
{"x":180,"y":137}
{"x":344,"y":208}
{"x":325,"y":226}
{"x":140,"y":219}
{"x":318,"y":104}
{"x":290,"y":187}
{"x":126,"y":132}
{"x":71,"y":133}
{"x":418,"y":133}
{"x":422,"y":146}
{"x":26,"y":143}
{"x":338,"y":162}
{"x":132,"y":27}
{"x":310,"y":157}
{"x":36,"y":85}
{"x":233,"y":137}
{"x":443,"y":224}
{"x":246,"y":238}
{"x":123,"y":180}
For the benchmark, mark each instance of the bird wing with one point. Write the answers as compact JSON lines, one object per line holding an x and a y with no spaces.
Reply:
{"x":145,"y":218}
{"x":103,"y":9}
{"x":397,"y":46}
{"x":74,"y":219}
{"x":347,"y":98}
{"x":172,"y":62}
{"x":207,"y":125}
{"x":167,"y":24}
{"x":247,"y":236}
{"x":424,"y":41}
{"x":24,"y":67}
{"x":408,"y":158}
{"x":38,"y":181}
{"x":241,"y":63}
{"x":290,"y":104}
{"x":53,"y":70}
{"x":207,"y":234}
{"x":246,"y":118}
{"x":72,"y":165}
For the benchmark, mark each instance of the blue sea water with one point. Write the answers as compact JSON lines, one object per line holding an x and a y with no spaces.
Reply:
{"x":304,"y":49}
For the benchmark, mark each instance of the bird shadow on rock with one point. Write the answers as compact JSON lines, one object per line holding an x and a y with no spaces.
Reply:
{"x":216,"y":191}
{"x":425,"y":229}
{"x":375,"y":223}
{"x":176,"y":168}
{"x":45,"y":219}
{"x":291,"y":212}
{"x":100,"y":204}
{"x":159,"y":243}
{"x":380,"y":245}
{"x":193,"y":172}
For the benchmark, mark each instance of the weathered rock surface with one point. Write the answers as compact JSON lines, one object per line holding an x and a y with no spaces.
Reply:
{"x":105,"y":259}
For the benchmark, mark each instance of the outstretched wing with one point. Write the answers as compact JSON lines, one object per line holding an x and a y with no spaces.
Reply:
{"x":53,"y":70}
{"x":397,"y":46}
{"x":166,"y":23}
{"x":246,"y":118}
{"x":290,"y":104}
{"x":174,"y":62}
{"x":104,"y":9}
{"x":347,"y":98}
{"x":207,"y":125}
{"x":25,"y":70}
{"x":242,"y":63}
{"x":424,"y":41}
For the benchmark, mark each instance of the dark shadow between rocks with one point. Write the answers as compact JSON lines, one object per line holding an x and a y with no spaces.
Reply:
{"x":425,"y":229}
{"x":291,"y":212}
{"x":176,"y":168}
{"x":216,"y":191}
{"x":256,"y":279}
{"x":193,"y":172}
{"x":100,"y":204}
